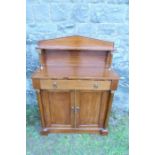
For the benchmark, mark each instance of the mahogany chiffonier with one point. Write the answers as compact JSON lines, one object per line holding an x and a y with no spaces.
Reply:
{"x":75,"y":85}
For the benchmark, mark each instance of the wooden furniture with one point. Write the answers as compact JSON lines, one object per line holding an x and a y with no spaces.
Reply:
{"x":75,"y":84}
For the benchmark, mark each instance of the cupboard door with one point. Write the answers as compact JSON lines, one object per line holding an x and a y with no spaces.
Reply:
{"x":57,"y":107}
{"x":87,"y":107}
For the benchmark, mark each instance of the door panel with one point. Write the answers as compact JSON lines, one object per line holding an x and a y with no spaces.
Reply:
{"x":89,"y":103}
{"x":79,"y":109}
{"x":60,"y":107}
{"x":59,"y":104}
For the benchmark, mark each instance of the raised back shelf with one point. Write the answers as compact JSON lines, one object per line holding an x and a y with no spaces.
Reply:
{"x":75,"y":51}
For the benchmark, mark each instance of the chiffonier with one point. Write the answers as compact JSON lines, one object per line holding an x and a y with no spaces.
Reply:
{"x":75,"y":84}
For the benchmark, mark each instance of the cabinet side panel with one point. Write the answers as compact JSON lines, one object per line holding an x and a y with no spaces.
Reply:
{"x":103,"y":108}
{"x":46,"y":110}
{"x":108,"y":110}
{"x":40,"y":107}
{"x":60,"y":107}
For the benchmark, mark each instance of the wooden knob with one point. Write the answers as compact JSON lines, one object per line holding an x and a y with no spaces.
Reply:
{"x":55,"y":85}
{"x":95,"y":85}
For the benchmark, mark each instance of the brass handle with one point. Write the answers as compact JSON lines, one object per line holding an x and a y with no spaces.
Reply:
{"x":72,"y":108}
{"x":95,"y":85}
{"x":77,"y":109}
{"x":54,"y":85}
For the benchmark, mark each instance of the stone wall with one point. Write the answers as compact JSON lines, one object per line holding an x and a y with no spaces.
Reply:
{"x":101,"y":19}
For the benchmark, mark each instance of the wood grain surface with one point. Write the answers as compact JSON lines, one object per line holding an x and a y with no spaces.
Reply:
{"x":75,"y":84}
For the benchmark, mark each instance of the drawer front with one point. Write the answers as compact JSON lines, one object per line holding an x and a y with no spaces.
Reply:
{"x":75,"y":84}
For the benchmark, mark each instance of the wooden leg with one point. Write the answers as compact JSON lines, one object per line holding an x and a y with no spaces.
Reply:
{"x":104,"y":132}
{"x":44,"y":132}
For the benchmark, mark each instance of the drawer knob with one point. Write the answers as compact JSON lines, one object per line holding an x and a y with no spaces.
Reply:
{"x":95,"y":85}
{"x":54,"y":85}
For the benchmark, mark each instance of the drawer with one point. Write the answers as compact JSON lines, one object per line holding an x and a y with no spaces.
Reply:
{"x":75,"y":84}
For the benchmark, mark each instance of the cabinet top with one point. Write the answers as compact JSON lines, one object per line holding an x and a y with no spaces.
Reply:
{"x":76,"y":43}
{"x":75,"y":72}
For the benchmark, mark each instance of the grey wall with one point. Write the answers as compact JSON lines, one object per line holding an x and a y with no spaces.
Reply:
{"x":101,"y":19}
